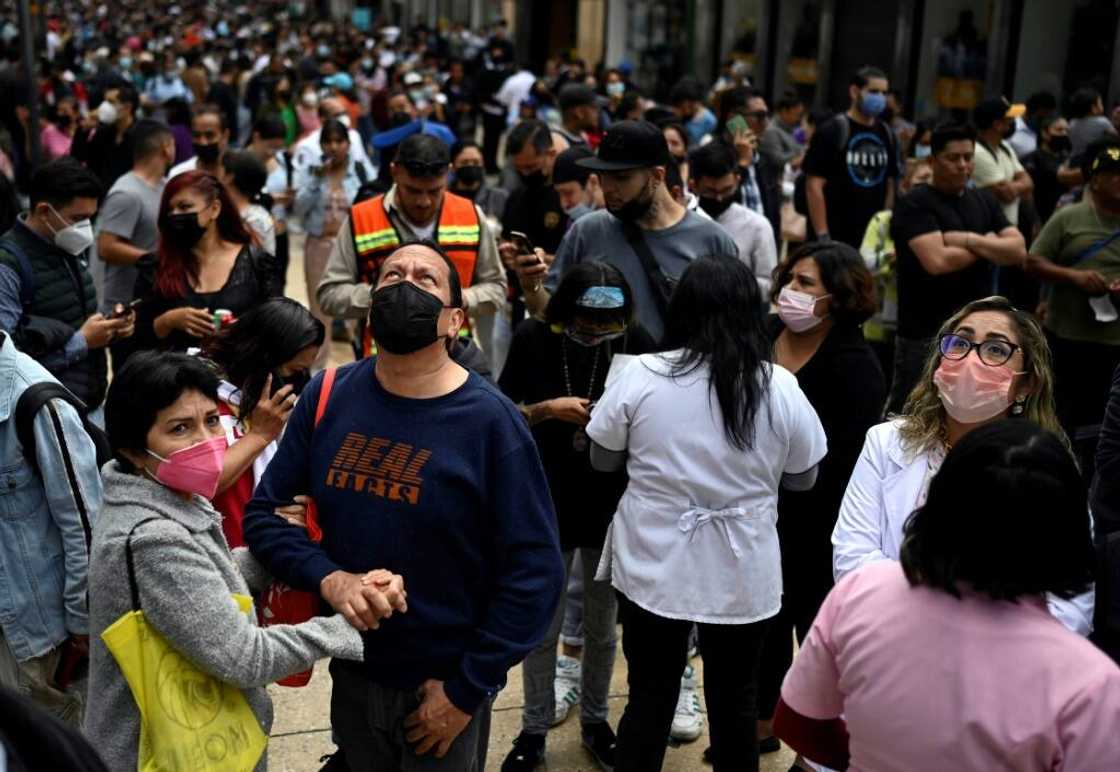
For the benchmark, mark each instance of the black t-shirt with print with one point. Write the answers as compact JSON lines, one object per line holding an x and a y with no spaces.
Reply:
{"x":856,"y":174}
{"x":925,"y":301}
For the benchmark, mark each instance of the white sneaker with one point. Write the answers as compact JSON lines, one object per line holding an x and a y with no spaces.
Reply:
{"x":569,"y":673}
{"x":687,"y":722}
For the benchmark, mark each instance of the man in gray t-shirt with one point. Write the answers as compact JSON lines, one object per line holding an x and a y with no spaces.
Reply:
{"x":127,"y":224}
{"x":631,"y":163}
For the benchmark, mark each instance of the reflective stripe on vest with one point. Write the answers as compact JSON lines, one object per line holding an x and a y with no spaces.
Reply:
{"x":375,"y":238}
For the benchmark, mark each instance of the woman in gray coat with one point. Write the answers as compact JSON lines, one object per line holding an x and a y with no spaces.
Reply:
{"x":162,"y":418}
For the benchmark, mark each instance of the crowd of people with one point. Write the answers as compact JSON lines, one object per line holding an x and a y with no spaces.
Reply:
{"x":831,"y":401}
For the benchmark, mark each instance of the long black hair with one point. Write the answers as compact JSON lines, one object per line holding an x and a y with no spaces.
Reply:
{"x":1006,"y":515}
{"x":716,"y":316}
{"x":263,"y":339}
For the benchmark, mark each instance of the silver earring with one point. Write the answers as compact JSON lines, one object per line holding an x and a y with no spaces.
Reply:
{"x":1019,"y":407}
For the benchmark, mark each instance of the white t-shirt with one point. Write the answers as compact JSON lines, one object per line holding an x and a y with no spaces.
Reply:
{"x":695,"y":534}
{"x":991,"y":167}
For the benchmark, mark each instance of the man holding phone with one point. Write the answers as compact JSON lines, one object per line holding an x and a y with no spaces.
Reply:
{"x":644,"y":232}
{"x":47,"y":300}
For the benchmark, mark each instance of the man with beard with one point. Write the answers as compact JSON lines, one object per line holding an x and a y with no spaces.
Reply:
{"x":644,"y":232}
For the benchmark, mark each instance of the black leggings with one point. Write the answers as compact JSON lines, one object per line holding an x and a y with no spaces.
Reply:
{"x":656,"y":652}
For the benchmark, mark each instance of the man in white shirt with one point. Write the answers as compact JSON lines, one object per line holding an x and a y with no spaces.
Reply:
{"x":514,"y":91}
{"x":996,"y":167}
{"x":714,"y":178}
{"x":308,"y":151}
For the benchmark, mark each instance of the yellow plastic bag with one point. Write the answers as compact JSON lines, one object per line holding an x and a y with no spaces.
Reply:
{"x":189,"y":720}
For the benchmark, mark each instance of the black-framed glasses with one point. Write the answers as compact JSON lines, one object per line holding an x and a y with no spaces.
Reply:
{"x":425,"y":169}
{"x":992,"y":352}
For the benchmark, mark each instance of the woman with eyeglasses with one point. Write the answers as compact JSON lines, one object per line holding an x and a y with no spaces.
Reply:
{"x":948,"y":659}
{"x":991,"y":362}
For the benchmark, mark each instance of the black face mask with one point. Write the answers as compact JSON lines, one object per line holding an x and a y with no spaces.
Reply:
{"x":298,"y":381}
{"x":715,"y":206}
{"x":635,"y":209}
{"x":679,"y":159}
{"x":207,"y":154}
{"x":184,"y":228}
{"x":469,"y":175}
{"x":535,"y":180}
{"x":1060,"y":144}
{"x":404,"y":318}
{"x":1009,"y":131}
{"x":63,"y":121}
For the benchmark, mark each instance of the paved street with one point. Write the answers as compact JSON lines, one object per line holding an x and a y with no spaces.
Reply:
{"x":301,"y":733}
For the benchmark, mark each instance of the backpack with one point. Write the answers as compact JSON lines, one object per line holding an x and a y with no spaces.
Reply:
{"x":32,"y":401}
{"x":367,"y":188}
{"x":800,"y":198}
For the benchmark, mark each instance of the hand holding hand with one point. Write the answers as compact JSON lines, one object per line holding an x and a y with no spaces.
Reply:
{"x":362,"y":605}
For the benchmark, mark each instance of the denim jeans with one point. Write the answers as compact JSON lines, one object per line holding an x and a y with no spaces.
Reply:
{"x":600,"y":607}
{"x":571,"y":634}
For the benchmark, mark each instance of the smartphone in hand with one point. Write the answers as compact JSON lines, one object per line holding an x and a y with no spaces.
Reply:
{"x":524,"y":245}
{"x":126,"y":309}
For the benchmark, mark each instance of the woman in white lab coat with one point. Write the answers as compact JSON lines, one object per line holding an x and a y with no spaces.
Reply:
{"x":990,"y":361}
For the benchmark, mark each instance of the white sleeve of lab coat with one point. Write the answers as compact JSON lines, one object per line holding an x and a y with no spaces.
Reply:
{"x":857,"y":538}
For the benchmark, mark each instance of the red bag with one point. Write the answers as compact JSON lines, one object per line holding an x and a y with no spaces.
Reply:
{"x":282,"y":605}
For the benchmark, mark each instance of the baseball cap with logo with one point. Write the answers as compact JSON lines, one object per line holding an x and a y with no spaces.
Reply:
{"x":991,"y":110}
{"x":629,"y":145}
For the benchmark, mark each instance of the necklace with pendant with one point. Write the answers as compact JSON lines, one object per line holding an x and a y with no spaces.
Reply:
{"x":580,"y":440}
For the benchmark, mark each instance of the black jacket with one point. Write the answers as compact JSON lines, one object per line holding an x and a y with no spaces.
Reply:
{"x":1104,"y":500}
{"x":63,"y":298}
{"x":844,"y":383}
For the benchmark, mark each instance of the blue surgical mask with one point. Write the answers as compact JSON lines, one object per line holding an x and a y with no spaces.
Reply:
{"x":922,"y":151}
{"x":578,"y":211}
{"x":872,"y":105}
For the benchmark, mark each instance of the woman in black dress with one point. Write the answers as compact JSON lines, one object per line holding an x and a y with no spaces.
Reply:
{"x":823,"y":293}
{"x":208,"y":263}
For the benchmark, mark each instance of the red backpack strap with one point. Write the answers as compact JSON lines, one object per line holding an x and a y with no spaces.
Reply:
{"x":314,"y":531}
{"x":324,"y":393}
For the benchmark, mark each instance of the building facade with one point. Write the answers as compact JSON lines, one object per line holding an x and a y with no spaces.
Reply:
{"x":941,"y":54}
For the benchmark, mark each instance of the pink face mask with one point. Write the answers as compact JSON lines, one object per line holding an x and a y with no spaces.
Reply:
{"x":972,"y":391}
{"x":796,"y":309}
{"x":196,"y":469}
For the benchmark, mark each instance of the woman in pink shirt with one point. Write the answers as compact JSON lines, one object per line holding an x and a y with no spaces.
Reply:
{"x":948,"y":659}
{"x":57,"y":134}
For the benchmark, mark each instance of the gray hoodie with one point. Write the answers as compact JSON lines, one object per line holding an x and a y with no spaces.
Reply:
{"x":185,"y":574}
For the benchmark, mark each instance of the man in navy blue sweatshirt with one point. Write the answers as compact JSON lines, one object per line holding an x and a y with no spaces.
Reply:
{"x":425,"y":469}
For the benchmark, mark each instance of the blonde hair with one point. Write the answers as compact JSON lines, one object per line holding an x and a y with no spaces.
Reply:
{"x":923,"y":417}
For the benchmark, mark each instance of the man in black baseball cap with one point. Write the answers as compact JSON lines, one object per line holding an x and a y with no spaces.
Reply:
{"x":579,"y":112}
{"x":996,"y":168}
{"x":643,"y":231}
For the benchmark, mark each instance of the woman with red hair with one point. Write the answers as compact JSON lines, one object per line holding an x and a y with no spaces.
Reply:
{"x":207,"y":261}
